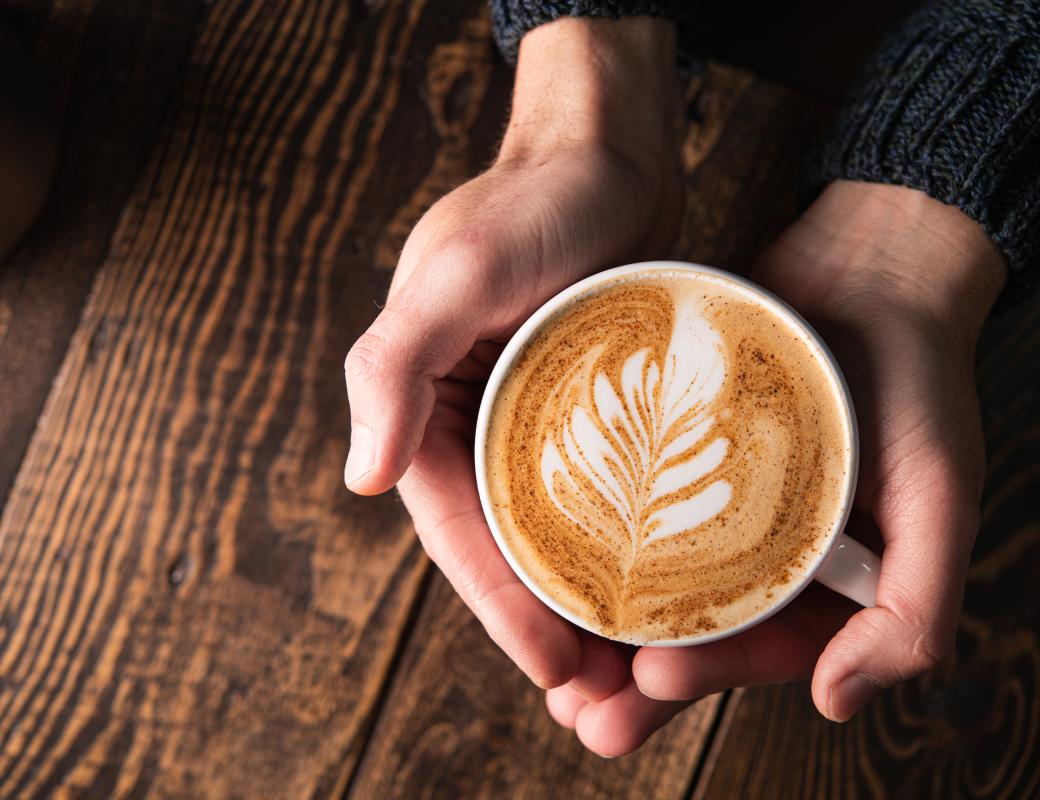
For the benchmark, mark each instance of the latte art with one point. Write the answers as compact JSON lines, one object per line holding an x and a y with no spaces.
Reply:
{"x":665,"y":457}
{"x":645,"y":463}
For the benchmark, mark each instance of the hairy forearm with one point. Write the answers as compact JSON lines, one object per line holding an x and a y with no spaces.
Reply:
{"x":891,"y":244}
{"x":949,"y":105}
{"x":605,"y":81}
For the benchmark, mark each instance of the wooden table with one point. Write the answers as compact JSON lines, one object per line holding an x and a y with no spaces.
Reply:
{"x":191,"y":605}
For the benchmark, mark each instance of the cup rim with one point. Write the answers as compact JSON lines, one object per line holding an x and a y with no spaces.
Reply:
{"x":759,"y":295}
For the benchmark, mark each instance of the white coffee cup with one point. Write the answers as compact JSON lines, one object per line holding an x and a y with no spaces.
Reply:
{"x":843,"y":565}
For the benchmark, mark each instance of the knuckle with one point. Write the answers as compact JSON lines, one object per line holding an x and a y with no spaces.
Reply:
{"x":476,"y":589}
{"x":931,"y":648}
{"x":660,"y":683}
{"x":933,"y":636}
{"x":931,"y":642}
{"x":482,"y":594}
{"x":368,"y":357}
{"x":461,"y":565}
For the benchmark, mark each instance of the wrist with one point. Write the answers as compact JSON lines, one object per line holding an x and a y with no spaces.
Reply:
{"x":595,"y":81}
{"x":891,"y":244}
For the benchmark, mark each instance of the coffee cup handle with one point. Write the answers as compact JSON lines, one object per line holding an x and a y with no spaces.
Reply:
{"x":852,"y":570}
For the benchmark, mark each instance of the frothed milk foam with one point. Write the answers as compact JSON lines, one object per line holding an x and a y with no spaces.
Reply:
{"x":666,"y":458}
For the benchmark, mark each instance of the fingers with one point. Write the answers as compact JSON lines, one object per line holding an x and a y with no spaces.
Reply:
{"x":390,"y":372}
{"x":622,"y":722}
{"x":912,"y":630}
{"x":452,"y":293}
{"x":603,"y":671}
{"x":780,"y":649}
{"x":440,"y":491}
{"x":604,"y":667}
{"x":666,"y":680}
{"x":564,"y":704}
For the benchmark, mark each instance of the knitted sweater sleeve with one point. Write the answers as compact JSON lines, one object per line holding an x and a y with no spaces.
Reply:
{"x":513,"y":18}
{"x":950,"y":105}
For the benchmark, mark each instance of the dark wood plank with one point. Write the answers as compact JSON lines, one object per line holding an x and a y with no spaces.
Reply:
{"x":972,"y":729}
{"x":110,"y":66}
{"x":464,"y":722}
{"x":459,"y":720}
{"x":191,"y":604}
{"x":744,"y":145}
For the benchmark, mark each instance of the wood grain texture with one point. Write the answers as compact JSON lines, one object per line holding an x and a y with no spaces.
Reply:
{"x":462,"y":721}
{"x":971,"y":730}
{"x":743,"y":143}
{"x":459,"y":720}
{"x":110,"y":67}
{"x":191,"y":604}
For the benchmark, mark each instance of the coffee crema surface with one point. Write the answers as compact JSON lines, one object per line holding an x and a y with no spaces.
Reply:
{"x":667,"y":458}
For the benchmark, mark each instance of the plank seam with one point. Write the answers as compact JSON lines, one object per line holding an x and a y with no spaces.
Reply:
{"x":708,"y":745}
{"x":365,"y":730}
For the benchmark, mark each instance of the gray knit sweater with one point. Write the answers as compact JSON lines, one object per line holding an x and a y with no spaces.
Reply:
{"x":950,"y":105}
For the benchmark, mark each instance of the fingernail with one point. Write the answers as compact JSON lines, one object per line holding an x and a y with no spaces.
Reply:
{"x":360,"y":459}
{"x":849,"y":696}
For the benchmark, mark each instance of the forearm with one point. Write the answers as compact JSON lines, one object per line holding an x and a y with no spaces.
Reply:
{"x":870,"y":246}
{"x":514,"y":19}
{"x":949,"y":105}
{"x":583,"y":80}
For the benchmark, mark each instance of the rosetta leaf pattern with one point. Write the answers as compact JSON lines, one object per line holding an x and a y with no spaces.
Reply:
{"x":621,"y":464}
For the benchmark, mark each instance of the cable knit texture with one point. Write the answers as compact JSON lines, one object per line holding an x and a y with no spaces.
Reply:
{"x":950,"y":105}
{"x":513,"y":18}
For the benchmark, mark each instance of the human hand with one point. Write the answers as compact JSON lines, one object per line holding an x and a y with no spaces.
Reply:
{"x":584,"y":179}
{"x":899,"y":285}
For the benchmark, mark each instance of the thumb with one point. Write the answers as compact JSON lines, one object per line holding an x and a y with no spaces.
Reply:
{"x":913,"y":628}
{"x":390,"y":373}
